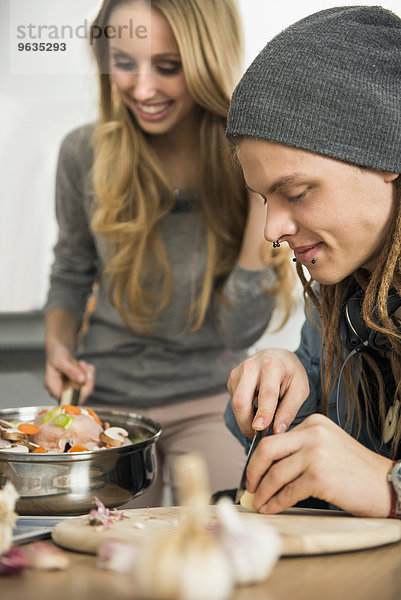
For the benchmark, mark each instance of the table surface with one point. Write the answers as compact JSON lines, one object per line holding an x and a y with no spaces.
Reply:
{"x":370,"y":574}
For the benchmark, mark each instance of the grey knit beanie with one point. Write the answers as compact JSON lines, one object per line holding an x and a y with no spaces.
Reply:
{"x":331,"y":84}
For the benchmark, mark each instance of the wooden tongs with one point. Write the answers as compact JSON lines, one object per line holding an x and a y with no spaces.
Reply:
{"x":70,"y":394}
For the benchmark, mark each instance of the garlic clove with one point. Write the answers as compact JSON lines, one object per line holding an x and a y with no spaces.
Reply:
{"x":217,"y":585}
{"x":246,"y":501}
{"x":45,"y":556}
{"x":116,"y":556}
{"x":251,"y":549}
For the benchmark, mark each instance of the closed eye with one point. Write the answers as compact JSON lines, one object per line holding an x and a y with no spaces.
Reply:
{"x":297,"y":197}
{"x":168,"y":68}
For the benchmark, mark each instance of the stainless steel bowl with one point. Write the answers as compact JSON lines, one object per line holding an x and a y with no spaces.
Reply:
{"x":66,"y":484}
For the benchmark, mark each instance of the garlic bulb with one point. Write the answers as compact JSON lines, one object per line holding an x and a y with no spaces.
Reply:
{"x":187,"y":563}
{"x":252,"y":550}
{"x":8,"y":498}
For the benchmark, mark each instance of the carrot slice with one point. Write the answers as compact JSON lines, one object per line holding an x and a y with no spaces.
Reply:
{"x":94,"y":415}
{"x":69,"y":409}
{"x":40,"y":449}
{"x":28,"y":428}
{"x":77,"y":449}
{"x":42,"y":412}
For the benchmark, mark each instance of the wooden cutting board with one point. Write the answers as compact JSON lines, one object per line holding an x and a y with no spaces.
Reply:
{"x":303,"y":531}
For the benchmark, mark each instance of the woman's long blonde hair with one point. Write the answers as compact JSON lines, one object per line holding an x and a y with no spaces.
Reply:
{"x":133,"y":193}
{"x":386,"y":276}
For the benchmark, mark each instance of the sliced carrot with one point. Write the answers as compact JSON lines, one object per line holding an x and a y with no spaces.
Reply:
{"x":77,"y":449}
{"x":42,"y":412}
{"x":40,"y":449}
{"x":28,"y":428}
{"x":69,"y":409}
{"x":94,"y":415}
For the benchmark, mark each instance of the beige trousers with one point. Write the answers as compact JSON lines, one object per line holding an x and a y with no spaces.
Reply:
{"x":196,"y":425}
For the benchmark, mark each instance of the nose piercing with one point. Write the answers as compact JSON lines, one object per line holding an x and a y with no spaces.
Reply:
{"x":276,"y":244}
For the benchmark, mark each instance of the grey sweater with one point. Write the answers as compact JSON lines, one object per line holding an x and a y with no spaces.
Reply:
{"x":172,"y":364}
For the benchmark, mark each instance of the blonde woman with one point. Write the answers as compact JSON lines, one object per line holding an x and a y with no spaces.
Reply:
{"x":151,"y":210}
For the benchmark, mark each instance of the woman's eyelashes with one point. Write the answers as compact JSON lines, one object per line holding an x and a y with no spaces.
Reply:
{"x":166,"y":68}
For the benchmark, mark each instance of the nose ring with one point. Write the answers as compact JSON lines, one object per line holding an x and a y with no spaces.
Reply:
{"x":276,"y":244}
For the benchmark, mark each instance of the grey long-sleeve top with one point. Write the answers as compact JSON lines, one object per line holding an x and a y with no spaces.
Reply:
{"x":172,"y":364}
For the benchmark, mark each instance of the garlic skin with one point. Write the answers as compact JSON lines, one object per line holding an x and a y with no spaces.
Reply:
{"x":8,"y":498}
{"x":251,"y":550}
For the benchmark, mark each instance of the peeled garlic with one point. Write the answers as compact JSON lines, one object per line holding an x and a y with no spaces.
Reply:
{"x":8,"y":498}
{"x":246,"y":501}
{"x":251,"y":549}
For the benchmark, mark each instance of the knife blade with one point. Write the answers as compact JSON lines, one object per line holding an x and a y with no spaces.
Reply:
{"x":255,"y":441}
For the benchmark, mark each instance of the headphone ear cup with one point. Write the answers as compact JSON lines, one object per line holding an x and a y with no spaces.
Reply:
{"x":354,"y":316}
{"x":353,"y":331}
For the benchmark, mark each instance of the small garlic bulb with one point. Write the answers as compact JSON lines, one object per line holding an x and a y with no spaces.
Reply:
{"x":252,"y":549}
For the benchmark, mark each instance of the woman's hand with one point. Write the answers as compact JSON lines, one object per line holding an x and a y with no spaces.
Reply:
{"x":317,"y":458}
{"x":274,"y":374}
{"x":61,"y":335}
{"x":61,"y":365}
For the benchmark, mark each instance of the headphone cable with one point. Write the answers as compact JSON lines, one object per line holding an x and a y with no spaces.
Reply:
{"x":350,"y":355}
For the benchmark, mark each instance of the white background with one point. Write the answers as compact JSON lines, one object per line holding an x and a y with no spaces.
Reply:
{"x":36,"y":111}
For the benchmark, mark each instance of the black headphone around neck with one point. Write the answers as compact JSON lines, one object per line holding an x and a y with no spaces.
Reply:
{"x":355,"y":334}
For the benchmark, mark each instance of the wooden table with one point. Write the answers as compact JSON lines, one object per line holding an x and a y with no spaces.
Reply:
{"x":373,"y":574}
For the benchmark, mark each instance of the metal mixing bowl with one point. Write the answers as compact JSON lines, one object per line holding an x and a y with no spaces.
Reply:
{"x":66,"y":484}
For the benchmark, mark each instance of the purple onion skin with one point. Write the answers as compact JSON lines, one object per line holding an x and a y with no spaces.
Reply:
{"x":13,"y":561}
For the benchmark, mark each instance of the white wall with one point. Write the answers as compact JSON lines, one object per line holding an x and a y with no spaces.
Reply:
{"x":37,"y":109}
